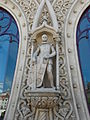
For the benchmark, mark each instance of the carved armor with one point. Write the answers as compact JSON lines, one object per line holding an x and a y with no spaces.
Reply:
{"x":44,"y":60}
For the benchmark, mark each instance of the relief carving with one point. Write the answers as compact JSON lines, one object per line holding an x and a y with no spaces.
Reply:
{"x":42,"y":67}
{"x":61,"y":8}
{"x":45,"y":15}
{"x":29,"y":7}
{"x":41,"y":58}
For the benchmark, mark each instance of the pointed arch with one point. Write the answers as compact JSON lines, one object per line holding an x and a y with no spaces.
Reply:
{"x":51,"y":12}
{"x":9,"y":44}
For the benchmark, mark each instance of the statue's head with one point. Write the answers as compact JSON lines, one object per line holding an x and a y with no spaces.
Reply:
{"x":44,"y":38}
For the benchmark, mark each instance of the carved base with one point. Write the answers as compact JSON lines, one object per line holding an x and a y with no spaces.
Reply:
{"x":44,"y":101}
{"x":43,"y":98}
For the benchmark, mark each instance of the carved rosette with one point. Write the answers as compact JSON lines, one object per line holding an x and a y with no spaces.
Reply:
{"x":60,"y":104}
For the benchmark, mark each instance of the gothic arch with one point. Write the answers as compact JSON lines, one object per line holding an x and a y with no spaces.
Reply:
{"x":50,"y":10}
{"x":17,"y":14}
{"x":72,"y":58}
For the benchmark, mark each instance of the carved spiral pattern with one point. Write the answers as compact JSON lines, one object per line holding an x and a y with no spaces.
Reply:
{"x":65,"y":110}
{"x":29,"y":7}
{"x":61,"y":7}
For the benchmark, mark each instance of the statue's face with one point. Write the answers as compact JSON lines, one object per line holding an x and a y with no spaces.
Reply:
{"x":44,"y":38}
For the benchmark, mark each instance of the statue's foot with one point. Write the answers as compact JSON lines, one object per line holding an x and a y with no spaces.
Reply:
{"x":53,"y":87}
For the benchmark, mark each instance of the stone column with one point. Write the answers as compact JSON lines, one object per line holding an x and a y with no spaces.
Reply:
{"x":57,"y":62}
{"x":34,"y":77}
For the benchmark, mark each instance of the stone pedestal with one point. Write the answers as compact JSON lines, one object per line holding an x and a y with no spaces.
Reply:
{"x":44,"y":101}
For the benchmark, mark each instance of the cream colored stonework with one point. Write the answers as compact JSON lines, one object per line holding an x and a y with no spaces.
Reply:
{"x":58,"y":19}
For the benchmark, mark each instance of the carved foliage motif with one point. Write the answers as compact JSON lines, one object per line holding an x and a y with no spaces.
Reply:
{"x":64,"y":110}
{"x":25,"y":111}
{"x":29,"y":7}
{"x":61,"y":7}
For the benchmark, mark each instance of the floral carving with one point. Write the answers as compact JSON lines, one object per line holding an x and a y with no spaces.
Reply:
{"x":29,"y":8}
{"x":61,"y":7}
{"x":65,"y":110}
{"x":44,"y":102}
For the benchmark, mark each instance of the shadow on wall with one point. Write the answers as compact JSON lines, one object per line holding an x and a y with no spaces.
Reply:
{"x":2,"y":115}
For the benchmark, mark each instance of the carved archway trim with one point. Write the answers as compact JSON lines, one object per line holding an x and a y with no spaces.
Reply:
{"x":72,"y":58}
{"x":44,"y":29}
{"x":50,"y":10}
{"x":16,"y":12}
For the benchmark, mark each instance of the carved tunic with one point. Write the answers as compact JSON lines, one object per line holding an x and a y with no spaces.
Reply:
{"x":45,"y":52}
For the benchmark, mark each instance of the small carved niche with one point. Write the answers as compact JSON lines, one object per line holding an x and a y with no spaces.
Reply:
{"x":44,"y":74}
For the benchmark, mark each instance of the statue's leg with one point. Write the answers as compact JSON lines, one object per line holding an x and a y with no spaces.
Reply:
{"x":50,"y":75}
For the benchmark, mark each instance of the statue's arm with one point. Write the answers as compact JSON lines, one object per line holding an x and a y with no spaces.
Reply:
{"x":35,"y":54}
{"x":53,"y":52}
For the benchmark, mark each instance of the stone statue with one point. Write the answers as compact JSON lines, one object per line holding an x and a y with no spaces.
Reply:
{"x":43,"y":58}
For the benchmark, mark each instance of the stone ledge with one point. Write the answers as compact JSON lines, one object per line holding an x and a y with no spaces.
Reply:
{"x":43,"y":98}
{"x":43,"y":92}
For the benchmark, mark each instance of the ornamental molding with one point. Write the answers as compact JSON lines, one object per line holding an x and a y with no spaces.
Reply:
{"x":72,"y":20}
{"x":51,"y":12}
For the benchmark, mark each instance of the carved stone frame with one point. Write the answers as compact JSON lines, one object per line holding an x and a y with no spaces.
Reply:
{"x":55,"y":37}
{"x":77,"y":89}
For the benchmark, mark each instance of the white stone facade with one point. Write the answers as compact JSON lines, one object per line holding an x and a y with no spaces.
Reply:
{"x":68,"y":101}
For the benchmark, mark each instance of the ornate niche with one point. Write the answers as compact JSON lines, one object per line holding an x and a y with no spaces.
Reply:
{"x":44,"y":58}
{"x":43,"y":84}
